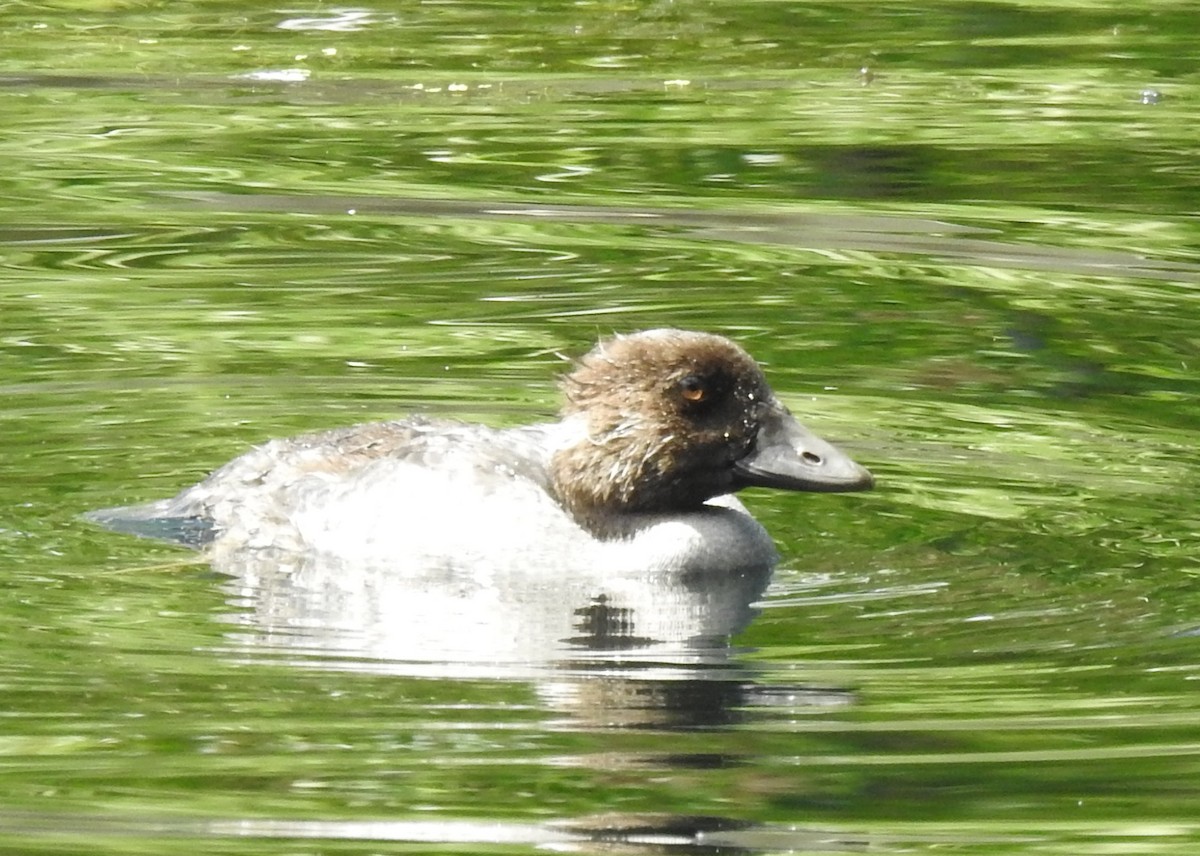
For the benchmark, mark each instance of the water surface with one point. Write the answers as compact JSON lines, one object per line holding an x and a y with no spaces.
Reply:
{"x":960,"y":237}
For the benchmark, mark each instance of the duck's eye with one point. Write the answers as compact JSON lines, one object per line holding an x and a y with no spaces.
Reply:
{"x":693,"y":389}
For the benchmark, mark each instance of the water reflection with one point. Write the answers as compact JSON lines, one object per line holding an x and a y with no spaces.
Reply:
{"x":629,"y":650}
{"x":625,"y":833}
{"x":850,"y":231}
{"x":463,"y":619}
{"x":646,"y":833}
{"x":632,"y":649}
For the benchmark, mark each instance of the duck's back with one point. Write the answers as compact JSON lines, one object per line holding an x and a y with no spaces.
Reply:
{"x":336,"y":488}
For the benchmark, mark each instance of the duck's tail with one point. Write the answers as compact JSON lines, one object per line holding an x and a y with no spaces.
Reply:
{"x":157,"y":520}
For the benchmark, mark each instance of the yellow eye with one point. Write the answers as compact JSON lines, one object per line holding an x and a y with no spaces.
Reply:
{"x":693,"y":389}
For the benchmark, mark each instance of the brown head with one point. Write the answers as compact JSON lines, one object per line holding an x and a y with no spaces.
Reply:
{"x":674,"y":418}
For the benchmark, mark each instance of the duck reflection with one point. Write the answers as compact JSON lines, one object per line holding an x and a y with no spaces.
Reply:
{"x":493,"y":623}
{"x":622,"y":650}
{"x":631,"y":650}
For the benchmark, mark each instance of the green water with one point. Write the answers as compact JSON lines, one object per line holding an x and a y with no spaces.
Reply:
{"x":961,"y":237}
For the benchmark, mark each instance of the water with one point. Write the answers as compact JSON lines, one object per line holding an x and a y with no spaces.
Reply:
{"x":960,"y":237}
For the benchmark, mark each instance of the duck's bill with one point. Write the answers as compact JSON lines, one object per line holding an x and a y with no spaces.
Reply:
{"x":789,"y":456}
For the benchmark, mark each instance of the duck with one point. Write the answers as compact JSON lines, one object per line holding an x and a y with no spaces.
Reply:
{"x":658,"y":431}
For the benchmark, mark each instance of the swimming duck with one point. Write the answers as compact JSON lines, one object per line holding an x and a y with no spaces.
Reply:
{"x":659,"y":429}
